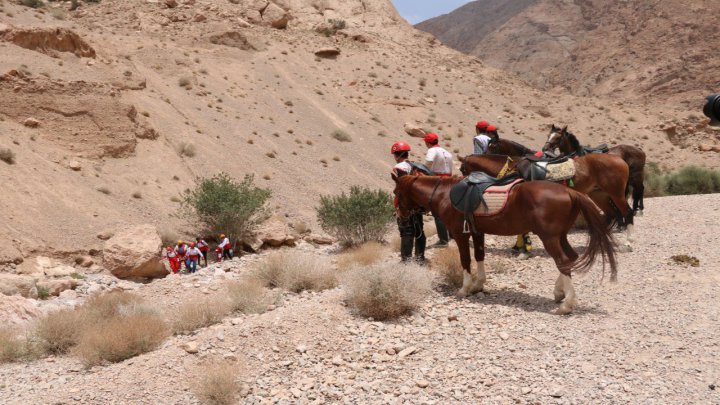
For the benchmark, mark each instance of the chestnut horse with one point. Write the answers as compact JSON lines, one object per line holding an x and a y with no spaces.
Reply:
{"x":568,"y":144}
{"x":547,"y":209}
{"x":603,"y":177}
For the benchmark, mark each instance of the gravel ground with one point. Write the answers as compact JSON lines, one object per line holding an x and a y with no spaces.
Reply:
{"x":651,"y":338}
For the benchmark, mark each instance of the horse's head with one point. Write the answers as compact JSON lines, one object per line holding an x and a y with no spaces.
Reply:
{"x":556,"y":136}
{"x":463,"y":165}
{"x":405,"y":205}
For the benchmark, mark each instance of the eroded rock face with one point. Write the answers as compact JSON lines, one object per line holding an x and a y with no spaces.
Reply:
{"x":17,"y":310}
{"x":15,"y":284}
{"x":48,"y":41}
{"x":134,"y":252}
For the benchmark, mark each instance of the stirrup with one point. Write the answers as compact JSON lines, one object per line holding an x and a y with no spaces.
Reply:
{"x":466,"y":227}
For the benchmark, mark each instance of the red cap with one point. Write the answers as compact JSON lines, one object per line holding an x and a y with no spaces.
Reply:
{"x":491,"y":128}
{"x":481,"y":125}
{"x":431,"y":138}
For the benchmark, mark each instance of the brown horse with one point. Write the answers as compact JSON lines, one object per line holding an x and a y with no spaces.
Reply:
{"x":603,"y":177}
{"x":568,"y":144}
{"x":547,"y":209}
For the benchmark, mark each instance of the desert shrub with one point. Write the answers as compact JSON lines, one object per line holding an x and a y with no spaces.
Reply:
{"x":693,"y":180}
{"x":358,"y":217}
{"x":120,"y":338}
{"x":296,"y":272}
{"x":332,"y":27}
{"x":58,"y":331}
{"x":186,"y":149}
{"x":216,"y":383}
{"x":13,"y":348}
{"x":32,"y":3}
{"x":247,"y":296}
{"x":655,"y":181}
{"x":7,"y":156}
{"x":387,"y":290}
{"x":446,"y":262}
{"x":194,"y":315}
{"x":227,"y":206}
{"x":364,"y":255}
{"x":43,"y":292}
{"x":341,"y":135}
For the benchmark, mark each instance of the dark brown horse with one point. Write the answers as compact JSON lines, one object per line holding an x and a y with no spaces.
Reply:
{"x":603,"y":177}
{"x":547,"y":209}
{"x":568,"y":144}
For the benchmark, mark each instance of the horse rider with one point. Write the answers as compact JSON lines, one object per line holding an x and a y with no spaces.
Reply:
{"x":481,"y":142}
{"x":411,"y":228}
{"x":440,"y":162}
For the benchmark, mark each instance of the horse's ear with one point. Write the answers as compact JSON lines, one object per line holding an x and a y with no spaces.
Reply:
{"x":564,"y":130}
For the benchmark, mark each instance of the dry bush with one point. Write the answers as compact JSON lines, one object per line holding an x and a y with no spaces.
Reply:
{"x":296,"y":272}
{"x":7,"y":156}
{"x":364,"y":255}
{"x":395,"y":242}
{"x":446,"y":262}
{"x":186,"y":149}
{"x":217,"y":383}
{"x":341,"y":136}
{"x":13,"y":348}
{"x":386,"y":290}
{"x":198,"y":314}
{"x":58,"y":331}
{"x":248,"y":296}
{"x":120,"y":338}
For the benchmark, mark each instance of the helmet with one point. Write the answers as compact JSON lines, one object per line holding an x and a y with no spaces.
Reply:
{"x":431,"y":138}
{"x":192,"y":244}
{"x":482,"y":125}
{"x":400,"y":146}
{"x":491,"y":128}
{"x":180,"y":242}
{"x":222,"y":235}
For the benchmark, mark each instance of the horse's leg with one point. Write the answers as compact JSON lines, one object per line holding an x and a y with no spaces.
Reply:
{"x":479,"y":248}
{"x":462,"y":241}
{"x":627,"y":214}
{"x":563,"y":286}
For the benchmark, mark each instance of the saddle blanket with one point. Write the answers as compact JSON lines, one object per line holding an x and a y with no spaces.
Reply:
{"x":560,"y":171}
{"x":494,"y":199}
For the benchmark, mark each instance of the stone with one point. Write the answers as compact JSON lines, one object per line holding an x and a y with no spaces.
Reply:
{"x":190,"y":347}
{"x":319,"y":239}
{"x":105,"y":235}
{"x":275,"y":16}
{"x":422,"y":383}
{"x":452,"y":318}
{"x":74,"y":165}
{"x":414,"y":130}
{"x":16,"y":284}
{"x":301,"y":349}
{"x":330,"y":53}
{"x":55,"y":287}
{"x":31,"y":122}
{"x":84,"y":261}
{"x":134,"y":252}
{"x":17,"y":310}
{"x":68,"y":295}
{"x":337,"y":361}
{"x":503,"y":336}
{"x":171,"y":3}
{"x":199,"y":18}
{"x":274,"y":232}
{"x":406,"y":352}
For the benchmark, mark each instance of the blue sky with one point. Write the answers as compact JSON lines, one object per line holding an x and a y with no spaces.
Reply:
{"x":420,"y":10}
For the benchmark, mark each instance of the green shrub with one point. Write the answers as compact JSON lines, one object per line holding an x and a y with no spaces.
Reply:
{"x":43,"y":292}
{"x":225,"y":206}
{"x":7,"y":156}
{"x":693,"y":180}
{"x":358,"y":217}
{"x":655,"y":181}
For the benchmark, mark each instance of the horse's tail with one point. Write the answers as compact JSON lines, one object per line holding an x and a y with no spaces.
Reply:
{"x":601,"y":239}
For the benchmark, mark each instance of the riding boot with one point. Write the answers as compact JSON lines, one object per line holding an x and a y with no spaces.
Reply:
{"x":442,"y":232}
{"x":519,"y":244}
{"x":406,"y":247}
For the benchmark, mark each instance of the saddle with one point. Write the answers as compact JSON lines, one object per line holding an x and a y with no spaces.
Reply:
{"x":598,"y":149}
{"x":421,"y":168}
{"x":468,"y":195}
{"x":557,"y":169}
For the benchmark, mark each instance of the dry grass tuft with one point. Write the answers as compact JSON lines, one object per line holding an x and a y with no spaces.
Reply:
{"x":217,"y":383}
{"x":248,"y":296}
{"x":199,"y":314}
{"x":58,"y":331}
{"x":386,"y":290}
{"x":13,"y":348}
{"x":446,"y":262}
{"x":364,"y":255}
{"x":296,"y":272}
{"x":7,"y":156}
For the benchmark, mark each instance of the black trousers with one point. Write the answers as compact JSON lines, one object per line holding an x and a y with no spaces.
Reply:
{"x":412,"y":233}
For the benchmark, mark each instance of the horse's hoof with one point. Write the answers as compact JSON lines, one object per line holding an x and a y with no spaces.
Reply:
{"x":559,"y":298}
{"x":639,"y":213}
{"x":461,"y":294}
{"x":613,"y":278}
{"x":564,"y":310}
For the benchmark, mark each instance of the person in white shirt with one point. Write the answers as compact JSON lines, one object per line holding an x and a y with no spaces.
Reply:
{"x":204,"y":248}
{"x":440,"y":161}
{"x":226,"y":247}
{"x":193,"y":257}
{"x":411,"y":228}
{"x":482,"y":141}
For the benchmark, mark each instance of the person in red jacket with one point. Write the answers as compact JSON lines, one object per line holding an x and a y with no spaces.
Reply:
{"x":204,"y":248}
{"x":172,"y":259}
{"x":193,"y":256}
{"x":226,"y":247}
{"x":181,"y":250}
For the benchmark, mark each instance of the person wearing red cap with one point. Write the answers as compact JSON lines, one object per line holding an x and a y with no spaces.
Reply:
{"x":482,"y":141}
{"x":411,"y":228}
{"x":440,"y":162}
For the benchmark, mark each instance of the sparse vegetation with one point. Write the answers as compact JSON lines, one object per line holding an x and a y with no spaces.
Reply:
{"x":332,"y":27}
{"x":247,"y":296}
{"x":185,"y":82}
{"x":43,"y":292}
{"x":13,"y":348}
{"x":58,"y":331}
{"x":361,"y":216}
{"x":186,"y":149}
{"x":386,"y":291}
{"x":296,"y":272}
{"x":365,"y":255}
{"x":688,"y":180}
{"x":341,"y":136}
{"x":7,"y":156}
{"x":32,"y":3}
{"x":194,"y":315}
{"x":217,"y":384}
{"x":227,"y":206}
{"x":446,"y":262}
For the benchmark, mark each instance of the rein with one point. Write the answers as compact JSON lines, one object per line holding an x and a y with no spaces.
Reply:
{"x":433,"y":195}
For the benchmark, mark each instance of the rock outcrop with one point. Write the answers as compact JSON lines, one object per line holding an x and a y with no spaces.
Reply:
{"x":135,"y":253}
{"x":48,"y":41}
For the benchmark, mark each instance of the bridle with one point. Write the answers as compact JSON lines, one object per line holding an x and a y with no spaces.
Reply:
{"x":549,"y":146}
{"x":432,"y":195}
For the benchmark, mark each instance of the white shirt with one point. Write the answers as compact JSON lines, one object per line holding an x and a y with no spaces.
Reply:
{"x":403,"y":166}
{"x":480,"y":144}
{"x":224,"y":243}
{"x":439,"y":160}
{"x":194,"y":252}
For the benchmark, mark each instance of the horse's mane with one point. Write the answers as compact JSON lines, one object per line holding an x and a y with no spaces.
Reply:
{"x":490,"y":156}
{"x":525,"y":150}
{"x":574,"y":142}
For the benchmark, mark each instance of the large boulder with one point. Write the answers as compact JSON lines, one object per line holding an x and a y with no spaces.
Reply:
{"x":16,"y":284}
{"x":275,"y":16}
{"x":57,"y":286}
{"x":135,"y":253}
{"x":414,"y":130}
{"x":274,"y":232}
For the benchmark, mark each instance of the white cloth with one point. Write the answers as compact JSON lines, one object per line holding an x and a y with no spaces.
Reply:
{"x":225,"y":242}
{"x":439,"y":160}
{"x":480,"y":144}
{"x":201,"y":244}
{"x":194,"y":252}
{"x":403,"y":166}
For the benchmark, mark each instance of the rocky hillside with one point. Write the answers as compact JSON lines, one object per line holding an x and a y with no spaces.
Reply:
{"x":659,"y":50}
{"x":111,"y":110}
